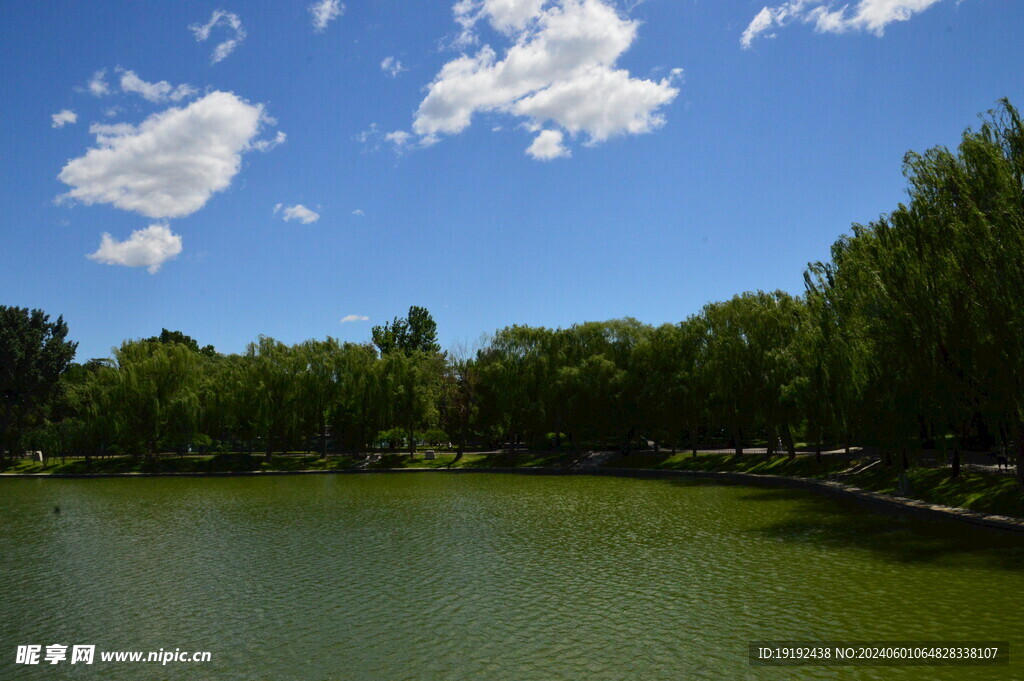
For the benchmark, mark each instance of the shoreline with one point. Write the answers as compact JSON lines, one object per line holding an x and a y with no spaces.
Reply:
{"x":827,"y":487}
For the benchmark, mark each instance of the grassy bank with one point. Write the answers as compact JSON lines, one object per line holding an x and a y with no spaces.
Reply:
{"x":238,"y":463}
{"x":984,"y":492}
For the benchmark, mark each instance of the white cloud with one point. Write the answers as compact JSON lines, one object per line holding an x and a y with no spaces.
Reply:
{"x":170,"y":164}
{"x":391,"y":66}
{"x":359,"y":212}
{"x":63,"y":118}
{"x":866,"y":15}
{"x":155,"y":92}
{"x":399,"y":138}
{"x":98,"y":85}
{"x":297,"y":212}
{"x":761,"y":23}
{"x":548,"y":146}
{"x":506,"y":16}
{"x":560,"y":69}
{"x":370,"y":138}
{"x":324,"y":12}
{"x":267,"y":145}
{"x":150,"y":248}
{"x":601,"y":102}
{"x":229,"y":20}
{"x":349,"y":318}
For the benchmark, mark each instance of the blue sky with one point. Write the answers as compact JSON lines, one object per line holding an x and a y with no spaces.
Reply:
{"x":515,"y":161}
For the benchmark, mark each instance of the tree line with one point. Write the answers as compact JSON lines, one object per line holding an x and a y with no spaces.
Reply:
{"x":910,"y":336}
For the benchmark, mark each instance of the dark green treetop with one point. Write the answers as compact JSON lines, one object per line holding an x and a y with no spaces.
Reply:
{"x":415,"y":333}
{"x":34,"y":353}
{"x":186,"y":340}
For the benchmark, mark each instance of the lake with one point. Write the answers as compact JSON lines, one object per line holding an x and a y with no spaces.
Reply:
{"x":483,"y":576}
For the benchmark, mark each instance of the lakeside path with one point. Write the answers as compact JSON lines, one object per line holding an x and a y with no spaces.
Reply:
{"x":829,"y":487}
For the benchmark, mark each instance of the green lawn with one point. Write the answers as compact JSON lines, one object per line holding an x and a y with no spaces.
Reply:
{"x":239,"y":462}
{"x":220,"y":463}
{"x":985,"y":492}
{"x":802,"y":466}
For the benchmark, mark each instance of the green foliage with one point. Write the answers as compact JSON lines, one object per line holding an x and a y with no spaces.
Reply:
{"x":34,"y":353}
{"x":156,"y":399}
{"x":189,"y":342}
{"x":416,"y":332}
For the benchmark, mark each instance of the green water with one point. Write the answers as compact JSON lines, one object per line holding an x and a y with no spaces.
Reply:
{"x":483,"y":576}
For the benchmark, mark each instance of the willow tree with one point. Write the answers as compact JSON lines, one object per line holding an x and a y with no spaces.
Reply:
{"x":935,"y":289}
{"x":361,"y":408}
{"x":674,"y":392}
{"x":964,"y":225}
{"x":271,"y":387}
{"x":515,"y":370}
{"x":89,"y":407}
{"x":458,"y":403}
{"x":412,"y":382}
{"x":156,"y":397}
{"x":320,"y":384}
{"x":748,"y":357}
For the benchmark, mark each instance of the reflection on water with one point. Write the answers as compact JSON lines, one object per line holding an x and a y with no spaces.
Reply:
{"x":483,"y":576}
{"x":890,"y":533}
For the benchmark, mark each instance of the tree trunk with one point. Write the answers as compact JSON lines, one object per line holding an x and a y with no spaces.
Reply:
{"x":787,"y":437}
{"x":1020,"y":463}
{"x":954,"y":462}
{"x":462,"y":445}
{"x":323,"y":438}
{"x":1020,"y":455}
{"x":12,"y":442}
{"x":572,"y":442}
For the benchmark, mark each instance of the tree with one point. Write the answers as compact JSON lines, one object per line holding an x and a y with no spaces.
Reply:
{"x":157,"y":395}
{"x":672,"y":391}
{"x":360,"y":409}
{"x":458,"y":398}
{"x":749,"y":359}
{"x":412,"y":383}
{"x":34,"y":353}
{"x":188,"y":341}
{"x":415,"y":333}
{"x":86,"y":413}
{"x":272,"y":389}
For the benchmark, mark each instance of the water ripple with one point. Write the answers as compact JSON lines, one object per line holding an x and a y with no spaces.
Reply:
{"x":479,"y":577}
